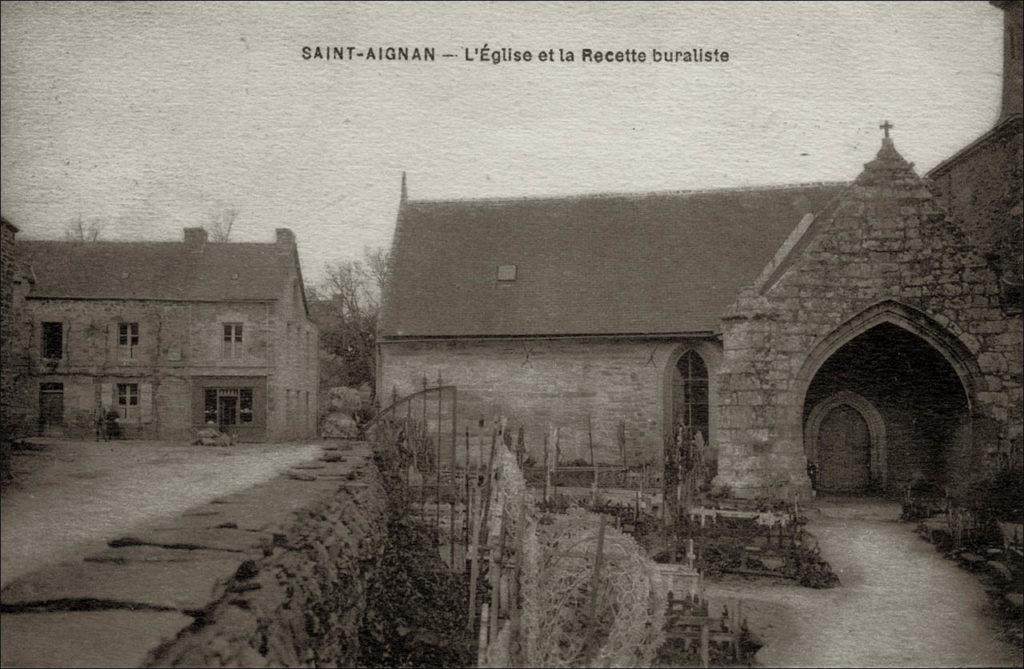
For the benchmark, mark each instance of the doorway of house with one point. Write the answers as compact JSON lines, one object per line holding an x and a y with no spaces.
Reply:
{"x":51,"y":408}
{"x":227,"y":410}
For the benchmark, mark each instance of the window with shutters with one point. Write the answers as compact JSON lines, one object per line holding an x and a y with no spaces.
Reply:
{"x":128,"y":340}
{"x":128,"y":402}
{"x":232,"y":341}
{"x":53,"y":341}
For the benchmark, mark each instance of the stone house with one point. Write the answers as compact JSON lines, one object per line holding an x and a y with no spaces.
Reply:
{"x":171,"y":336}
{"x":861,"y":334}
{"x":14,"y":281}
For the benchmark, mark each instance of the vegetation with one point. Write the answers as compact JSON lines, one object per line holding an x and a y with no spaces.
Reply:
{"x":418,"y":611}
{"x":82,"y":230}
{"x":220,"y":224}
{"x":346,"y":308}
{"x":418,"y":608}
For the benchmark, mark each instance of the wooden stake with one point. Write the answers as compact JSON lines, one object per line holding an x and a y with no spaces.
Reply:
{"x":547,"y":470}
{"x":454,"y":481}
{"x":437,"y":467}
{"x":558,"y":456}
{"x":465,"y":478}
{"x":622,"y":441}
{"x":474,"y":560}
{"x":517,"y":646}
{"x":593,"y":464}
{"x":487,"y":481}
{"x":480,"y":442}
{"x":494,"y":571}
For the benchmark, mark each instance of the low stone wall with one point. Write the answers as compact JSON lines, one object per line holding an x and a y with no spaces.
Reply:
{"x":272,"y":575}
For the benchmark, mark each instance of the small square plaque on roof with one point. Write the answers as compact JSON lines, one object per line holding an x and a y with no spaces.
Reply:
{"x":506,"y":272}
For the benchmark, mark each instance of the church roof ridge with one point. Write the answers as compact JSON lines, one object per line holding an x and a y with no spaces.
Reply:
{"x":506,"y":199}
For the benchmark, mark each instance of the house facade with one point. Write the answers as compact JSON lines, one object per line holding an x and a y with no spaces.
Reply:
{"x":837,"y":337}
{"x":172,"y":336}
{"x":14,"y":283}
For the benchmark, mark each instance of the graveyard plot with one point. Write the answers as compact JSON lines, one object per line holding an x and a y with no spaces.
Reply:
{"x":980,"y":528}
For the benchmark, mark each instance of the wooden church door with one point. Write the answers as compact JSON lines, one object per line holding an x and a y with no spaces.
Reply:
{"x":844,"y":450}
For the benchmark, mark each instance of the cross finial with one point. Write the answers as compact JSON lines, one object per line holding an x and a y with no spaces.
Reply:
{"x":886,"y":126}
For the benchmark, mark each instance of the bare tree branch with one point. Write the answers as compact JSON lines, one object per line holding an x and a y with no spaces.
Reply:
{"x":220,"y":225}
{"x":81,"y":230}
{"x":346,"y":306}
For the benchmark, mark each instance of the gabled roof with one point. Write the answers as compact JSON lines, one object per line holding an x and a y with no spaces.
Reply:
{"x":1006,"y":126}
{"x":654,"y":263}
{"x":159,"y":270}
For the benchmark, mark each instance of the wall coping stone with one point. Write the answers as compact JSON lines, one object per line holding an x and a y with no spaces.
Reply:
{"x":117,"y":606}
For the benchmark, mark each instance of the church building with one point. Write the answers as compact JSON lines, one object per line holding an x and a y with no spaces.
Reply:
{"x":841,"y":336}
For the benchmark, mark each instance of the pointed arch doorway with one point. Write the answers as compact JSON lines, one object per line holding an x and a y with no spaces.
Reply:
{"x":845,"y":440}
{"x":885,"y":407}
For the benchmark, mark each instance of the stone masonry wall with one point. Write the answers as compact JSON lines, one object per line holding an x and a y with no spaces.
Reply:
{"x":274,"y":575}
{"x":983,"y":190}
{"x":295,"y":382}
{"x":14,"y":405}
{"x":539,"y":383}
{"x":887,"y":252}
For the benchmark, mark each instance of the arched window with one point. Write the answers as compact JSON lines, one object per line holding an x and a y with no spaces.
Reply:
{"x":690,"y":393}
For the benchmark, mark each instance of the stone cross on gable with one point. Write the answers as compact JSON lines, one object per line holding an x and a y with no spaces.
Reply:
{"x":886,"y":126}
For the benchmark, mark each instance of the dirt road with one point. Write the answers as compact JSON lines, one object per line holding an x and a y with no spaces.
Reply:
{"x":72,"y":496}
{"x":900,"y":602}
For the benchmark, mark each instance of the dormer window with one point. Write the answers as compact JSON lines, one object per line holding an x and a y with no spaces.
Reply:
{"x":507,"y":272}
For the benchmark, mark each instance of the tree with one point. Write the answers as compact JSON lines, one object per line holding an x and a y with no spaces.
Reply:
{"x":346,"y":307}
{"x":220,"y":224}
{"x":81,"y":230}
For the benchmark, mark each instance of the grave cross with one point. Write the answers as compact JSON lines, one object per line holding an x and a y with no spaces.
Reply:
{"x":886,"y":126}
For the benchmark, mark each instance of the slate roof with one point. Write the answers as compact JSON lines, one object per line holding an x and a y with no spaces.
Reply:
{"x":655,"y":263}
{"x":159,"y":270}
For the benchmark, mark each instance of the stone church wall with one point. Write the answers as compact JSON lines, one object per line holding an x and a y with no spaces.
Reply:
{"x":982,"y":190}
{"x":886,"y":253}
{"x":539,"y":383}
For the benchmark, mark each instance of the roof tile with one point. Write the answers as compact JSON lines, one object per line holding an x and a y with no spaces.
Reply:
{"x":600,"y":264}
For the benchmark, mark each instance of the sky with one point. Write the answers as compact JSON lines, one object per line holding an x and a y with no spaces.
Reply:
{"x":155,"y":117}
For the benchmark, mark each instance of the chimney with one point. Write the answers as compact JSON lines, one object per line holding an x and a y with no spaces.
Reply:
{"x":195,"y":237}
{"x":285,"y":236}
{"x":1013,"y":91}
